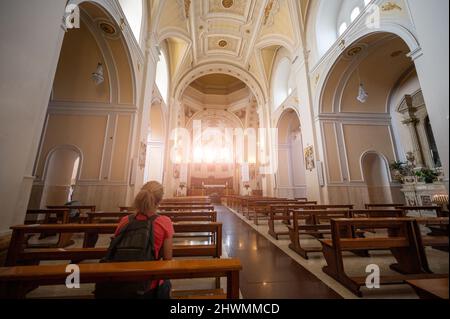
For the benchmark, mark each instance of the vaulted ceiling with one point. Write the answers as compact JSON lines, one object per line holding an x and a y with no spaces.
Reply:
{"x":243,"y":33}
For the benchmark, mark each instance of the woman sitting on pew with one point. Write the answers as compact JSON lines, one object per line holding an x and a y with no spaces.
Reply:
{"x":144,"y":236}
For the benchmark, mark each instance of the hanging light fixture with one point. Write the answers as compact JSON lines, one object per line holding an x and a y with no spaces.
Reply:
{"x":98,"y":76}
{"x":362,"y":93}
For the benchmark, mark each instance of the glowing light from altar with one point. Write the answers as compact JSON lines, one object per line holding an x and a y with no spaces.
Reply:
{"x":212,"y":154}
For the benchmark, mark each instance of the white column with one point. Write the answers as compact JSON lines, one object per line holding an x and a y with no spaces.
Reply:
{"x":143,"y":116}
{"x":309,"y":135}
{"x":431,"y":20}
{"x":31,"y":36}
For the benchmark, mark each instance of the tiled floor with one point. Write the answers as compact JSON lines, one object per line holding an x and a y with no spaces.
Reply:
{"x":438,"y":260}
{"x":268,"y":272}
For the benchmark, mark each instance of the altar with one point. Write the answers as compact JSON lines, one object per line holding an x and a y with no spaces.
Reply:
{"x":214,"y":188}
{"x":420,"y":194}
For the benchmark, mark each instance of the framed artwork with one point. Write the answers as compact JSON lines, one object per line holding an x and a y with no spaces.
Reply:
{"x":309,"y":158}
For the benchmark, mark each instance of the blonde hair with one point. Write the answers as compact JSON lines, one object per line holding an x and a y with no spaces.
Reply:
{"x":148,"y":199}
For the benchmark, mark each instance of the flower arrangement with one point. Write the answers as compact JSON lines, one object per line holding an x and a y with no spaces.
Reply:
{"x":401,"y":170}
{"x":427,"y":175}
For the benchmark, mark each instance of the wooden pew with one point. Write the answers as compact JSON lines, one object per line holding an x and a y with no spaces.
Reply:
{"x":194,"y":201}
{"x":115,"y":217}
{"x":260,"y":208}
{"x":402,"y":240}
{"x":377,"y":213}
{"x":17,"y":254}
{"x":382,"y":205}
{"x":431,"y":288}
{"x":82,"y":209}
{"x":439,"y":241}
{"x":171,"y":208}
{"x":15,"y":282}
{"x":57,"y":216}
{"x":285,"y":216}
{"x":316,"y":223}
{"x":242,"y":202}
{"x":50,"y":215}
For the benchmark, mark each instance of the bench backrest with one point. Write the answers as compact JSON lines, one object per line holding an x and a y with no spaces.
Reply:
{"x":326,"y":207}
{"x":115,"y":217}
{"x":383,"y":205}
{"x":17,"y":247}
{"x":33,"y":215}
{"x":91,"y":208}
{"x":12,"y":278}
{"x":379,"y":213}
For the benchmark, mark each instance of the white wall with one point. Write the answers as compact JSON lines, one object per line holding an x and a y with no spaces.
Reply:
{"x":31,"y":39}
{"x":431,"y":19}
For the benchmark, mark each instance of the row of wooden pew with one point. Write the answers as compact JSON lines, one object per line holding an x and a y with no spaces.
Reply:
{"x":338,"y":228}
{"x":193,"y":218}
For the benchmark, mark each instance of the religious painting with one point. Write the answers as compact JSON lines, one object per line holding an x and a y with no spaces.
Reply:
{"x":309,"y":158}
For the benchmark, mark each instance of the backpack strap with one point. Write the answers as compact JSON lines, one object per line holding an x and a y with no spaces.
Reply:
{"x":151,"y":242}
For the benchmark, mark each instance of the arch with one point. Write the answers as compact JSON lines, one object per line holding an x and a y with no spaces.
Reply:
{"x":173,"y":32}
{"x":337,"y":60}
{"x":112,"y":14}
{"x":279,"y":40}
{"x":62,"y":171}
{"x":69,"y":147}
{"x":291,"y":176}
{"x":221,"y":68}
{"x":376,"y":176}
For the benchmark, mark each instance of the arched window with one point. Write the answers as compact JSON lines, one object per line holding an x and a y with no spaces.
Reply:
{"x":333,"y":18}
{"x":133,"y":11}
{"x":355,"y":13}
{"x":280,"y":82}
{"x":162,"y":77}
{"x":342,"y":28}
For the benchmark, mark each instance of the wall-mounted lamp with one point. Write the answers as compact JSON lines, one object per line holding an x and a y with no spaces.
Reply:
{"x":97,"y":76}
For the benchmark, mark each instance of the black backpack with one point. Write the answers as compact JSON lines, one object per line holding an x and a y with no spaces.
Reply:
{"x":135,"y":242}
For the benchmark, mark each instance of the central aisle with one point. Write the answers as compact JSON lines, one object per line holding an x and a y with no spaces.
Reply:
{"x":268,"y":273}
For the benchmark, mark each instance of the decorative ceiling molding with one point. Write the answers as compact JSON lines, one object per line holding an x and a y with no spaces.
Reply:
{"x":227,"y":31}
